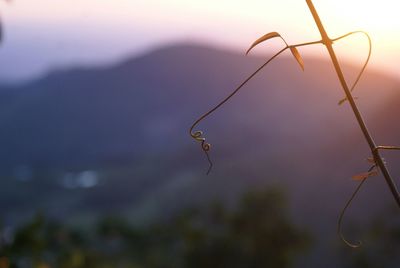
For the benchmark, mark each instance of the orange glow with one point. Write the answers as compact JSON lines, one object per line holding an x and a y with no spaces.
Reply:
{"x":233,"y":23}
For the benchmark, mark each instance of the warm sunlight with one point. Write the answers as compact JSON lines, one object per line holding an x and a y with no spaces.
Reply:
{"x":139,"y":133}
{"x":378,"y":15}
{"x":339,"y":14}
{"x":135,"y":25}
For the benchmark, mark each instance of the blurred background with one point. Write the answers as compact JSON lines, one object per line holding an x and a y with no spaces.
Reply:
{"x":97,"y":168}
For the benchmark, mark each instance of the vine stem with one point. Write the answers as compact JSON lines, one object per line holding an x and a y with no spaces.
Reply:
{"x":198,"y":135}
{"x":374,"y":149}
{"x":201,"y":118}
{"x":339,"y":224}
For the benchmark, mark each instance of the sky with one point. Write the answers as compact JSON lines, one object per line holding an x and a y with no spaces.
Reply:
{"x":43,"y":35}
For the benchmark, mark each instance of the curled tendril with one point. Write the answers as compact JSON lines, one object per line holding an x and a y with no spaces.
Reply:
{"x":395,"y":148}
{"x":339,"y":225}
{"x":365,"y":63}
{"x":198,"y":135}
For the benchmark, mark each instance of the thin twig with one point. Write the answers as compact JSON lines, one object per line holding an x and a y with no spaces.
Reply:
{"x":365,"y":63}
{"x":339,"y":224}
{"x":387,"y":148}
{"x":378,"y":158}
{"x":198,"y":135}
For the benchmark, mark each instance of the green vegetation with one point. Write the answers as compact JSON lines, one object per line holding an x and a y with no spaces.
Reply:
{"x":256,"y":233}
{"x":382,"y":243}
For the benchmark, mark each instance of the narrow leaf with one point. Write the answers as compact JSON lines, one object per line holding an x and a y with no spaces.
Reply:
{"x":342,"y":101}
{"x":364,"y":175}
{"x":360,"y":177}
{"x":297,"y":56}
{"x":262,"y":39}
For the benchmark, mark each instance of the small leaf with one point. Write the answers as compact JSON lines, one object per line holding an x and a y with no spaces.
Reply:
{"x":360,"y":177}
{"x":364,"y":175}
{"x":342,"y":101}
{"x":262,"y":39}
{"x":297,"y":56}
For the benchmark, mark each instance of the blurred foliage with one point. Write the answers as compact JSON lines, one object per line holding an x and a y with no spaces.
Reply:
{"x":381,"y":243}
{"x":256,"y":233}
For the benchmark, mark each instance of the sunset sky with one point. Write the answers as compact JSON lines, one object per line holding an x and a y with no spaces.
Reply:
{"x":45,"y":34}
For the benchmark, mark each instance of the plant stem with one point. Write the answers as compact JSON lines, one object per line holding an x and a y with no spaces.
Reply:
{"x":374,"y":149}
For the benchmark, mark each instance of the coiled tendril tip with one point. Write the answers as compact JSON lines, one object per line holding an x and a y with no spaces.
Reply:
{"x":206,"y":147}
